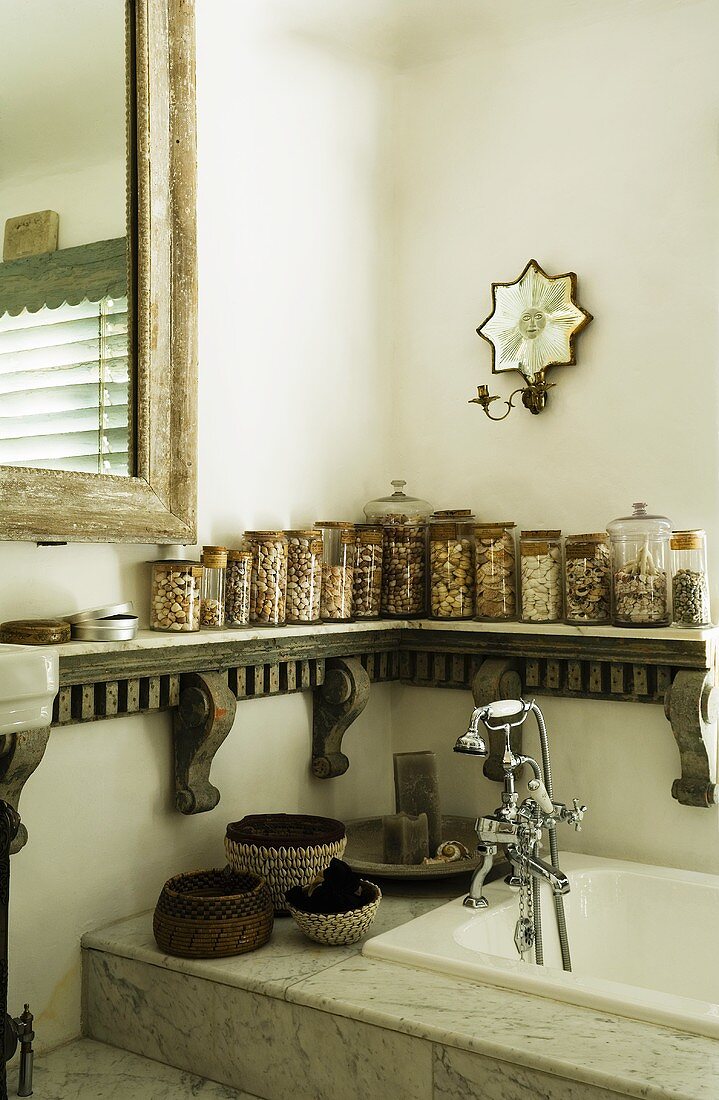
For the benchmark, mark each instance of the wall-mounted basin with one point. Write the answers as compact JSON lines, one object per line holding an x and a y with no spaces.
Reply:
{"x":29,"y":681}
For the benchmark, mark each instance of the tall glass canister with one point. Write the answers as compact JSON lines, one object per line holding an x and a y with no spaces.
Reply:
{"x":404,"y":574}
{"x":214,"y":562}
{"x":269,"y":577}
{"x":367,"y":583}
{"x":540,"y":570}
{"x":304,"y":575}
{"x":451,"y":564}
{"x":176,"y":596}
{"x":640,"y":568}
{"x":338,"y":539}
{"x":238,"y":586}
{"x":690,"y":579}
{"x":495,"y":572}
{"x":587,"y":578}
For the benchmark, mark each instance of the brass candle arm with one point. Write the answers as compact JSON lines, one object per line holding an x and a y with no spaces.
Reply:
{"x":534,"y":397}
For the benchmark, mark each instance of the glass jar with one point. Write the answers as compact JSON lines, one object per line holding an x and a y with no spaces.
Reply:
{"x":367,"y":584}
{"x":212,"y":611}
{"x":690,"y":579}
{"x":304,"y":576}
{"x":238,"y":583}
{"x":495,"y":572}
{"x":540,"y":574}
{"x":587,"y":578}
{"x":268,"y":592}
{"x":451,"y":564}
{"x":176,"y":595}
{"x":397,"y":508}
{"x":338,"y":538}
{"x":640,"y":560}
{"x":404,"y":522}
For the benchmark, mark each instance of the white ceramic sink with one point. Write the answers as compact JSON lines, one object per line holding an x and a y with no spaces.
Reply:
{"x":29,"y":682}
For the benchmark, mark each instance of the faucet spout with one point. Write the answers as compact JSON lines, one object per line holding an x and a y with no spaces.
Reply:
{"x":539,"y":869}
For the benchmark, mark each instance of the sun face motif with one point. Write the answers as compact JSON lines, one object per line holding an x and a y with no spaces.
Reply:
{"x":534,"y":322}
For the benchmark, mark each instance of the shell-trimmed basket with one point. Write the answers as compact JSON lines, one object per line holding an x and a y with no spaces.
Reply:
{"x":338,"y":929}
{"x":286,"y":849}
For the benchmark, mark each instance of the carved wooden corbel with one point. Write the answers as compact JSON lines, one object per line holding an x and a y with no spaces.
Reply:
{"x":498,"y":678}
{"x":341,"y":698}
{"x":20,"y":754}
{"x":692,"y":705}
{"x":201,"y":721}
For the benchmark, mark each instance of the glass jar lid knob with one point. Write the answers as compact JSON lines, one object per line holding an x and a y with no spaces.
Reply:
{"x":398,"y":487}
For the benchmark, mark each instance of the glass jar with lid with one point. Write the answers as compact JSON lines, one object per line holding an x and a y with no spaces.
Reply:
{"x":404,"y":521}
{"x":214,"y":562}
{"x":338,"y":539}
{"x":690,"y":579}
{"x":495,"y":572}
{"x":367,"y":584}
{"x":304,"y":575}
{"x":238,"y":582}
{"x":587,"y":578}
{"x":640,"y":568}
{"x":540,"y":574}
{"x":176,"y":595}
{"x":451,"y":564}
{"x":268,"y":593}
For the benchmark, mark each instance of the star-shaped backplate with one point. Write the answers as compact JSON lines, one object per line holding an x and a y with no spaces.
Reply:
{"x":534,"y":322}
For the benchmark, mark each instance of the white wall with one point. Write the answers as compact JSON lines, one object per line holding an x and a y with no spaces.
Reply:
{"x":590,"y":146}
{"x":294,"y":418}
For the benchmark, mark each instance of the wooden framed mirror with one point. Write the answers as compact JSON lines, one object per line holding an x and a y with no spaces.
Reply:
{"x":140,"y":486}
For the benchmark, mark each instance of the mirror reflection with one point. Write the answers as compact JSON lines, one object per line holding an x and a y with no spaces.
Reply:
{"x":65,"y":364}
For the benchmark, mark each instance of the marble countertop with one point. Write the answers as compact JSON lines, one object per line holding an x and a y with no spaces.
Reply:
{"x":638,"y":1059}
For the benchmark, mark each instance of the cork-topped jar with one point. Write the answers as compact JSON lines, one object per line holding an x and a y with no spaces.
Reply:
{"x":338,"y":538}
{"x":238,"y":586}
{"x":268,"y":593}
{"x":367,"y":583}
{"x":540,"y":571}
{"x":214,"y":561}
{"x":587,"y":578}
{"x":495,"y":571}
{"x":640,"y":568}
{"x":304,"y":575}
{"x":176,"y":595}
{"x":404,"y":522}
{"x":690,"y":579}
{"x":451,"y":564}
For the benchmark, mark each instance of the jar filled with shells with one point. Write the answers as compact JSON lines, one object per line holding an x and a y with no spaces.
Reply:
{"x":304,"y":575}
{"x":367,"y":584}
{"x":587,"y":578}
{"x":268,"y":592}
{"x":214,"y":562}
{"x":403,"y":519}
{"x":338,"y":538}
{"x":495,"y":572}
{"x":451,"y":564}
{"x":540,"y":574}
{"x":238,"y":585}
{"x":690,"y":579}
{"x":640,"y":568}
{"x":176,"y":596}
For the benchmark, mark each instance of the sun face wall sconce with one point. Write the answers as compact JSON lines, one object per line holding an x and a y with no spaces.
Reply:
{"x":533,"y":326}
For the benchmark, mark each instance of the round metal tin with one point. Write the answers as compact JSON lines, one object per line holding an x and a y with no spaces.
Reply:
{"x":101,"y":612}
{"x":115,"y":628}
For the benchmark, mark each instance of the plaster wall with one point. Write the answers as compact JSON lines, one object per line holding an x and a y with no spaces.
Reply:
{"x":590,"y":146}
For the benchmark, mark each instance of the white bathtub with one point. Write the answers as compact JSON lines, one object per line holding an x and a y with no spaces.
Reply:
{"x":644,"y":943}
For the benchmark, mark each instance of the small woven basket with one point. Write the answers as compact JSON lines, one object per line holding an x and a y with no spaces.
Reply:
{"x":336,"y":929}
{"x":285,"y":849}
{"x":212,"y":914}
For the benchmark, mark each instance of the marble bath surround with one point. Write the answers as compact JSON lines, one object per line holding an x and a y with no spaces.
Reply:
{"x":296,"y":1019}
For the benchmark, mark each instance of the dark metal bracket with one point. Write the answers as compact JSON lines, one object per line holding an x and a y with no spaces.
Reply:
{"x":341,"y":698}
{"x":201,"y":721}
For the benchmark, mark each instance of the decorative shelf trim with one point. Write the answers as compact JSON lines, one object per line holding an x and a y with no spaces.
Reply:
{"x":202,"y":678}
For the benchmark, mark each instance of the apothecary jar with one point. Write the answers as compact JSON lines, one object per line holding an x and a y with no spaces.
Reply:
{"x":587,"y":578}
{"x":640,"y":568}
{"x":451,"y":564}
{"x":238,"y":587}
{"x":690,"y":579}
{"x":304,"y":575}
{"x":338,"y":541}
{"x":367,"y":584}
{"x":176,"y":595}
{"x":268,"y":593}
{"x":540,"y":571}
{"x":404,"y":522}
{"x":495,"y":572}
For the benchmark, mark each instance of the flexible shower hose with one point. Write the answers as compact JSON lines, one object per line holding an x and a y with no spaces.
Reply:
{"x":554,"y":860}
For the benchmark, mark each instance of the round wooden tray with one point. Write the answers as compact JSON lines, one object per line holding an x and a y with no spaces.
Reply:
{"x":364,"y":851}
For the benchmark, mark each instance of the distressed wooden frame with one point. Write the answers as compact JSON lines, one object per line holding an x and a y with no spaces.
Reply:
{"x":158,"y":504}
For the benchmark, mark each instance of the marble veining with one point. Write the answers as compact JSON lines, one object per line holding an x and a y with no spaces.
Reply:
{"x":462,"y":1076}
{"x":578,"y":1045}
{"x":85,"y":1070}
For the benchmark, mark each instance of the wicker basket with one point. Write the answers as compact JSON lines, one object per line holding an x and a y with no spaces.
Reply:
{"x":336,"y":929}
{"x":212,"y":914}
{"x":286,"y":849}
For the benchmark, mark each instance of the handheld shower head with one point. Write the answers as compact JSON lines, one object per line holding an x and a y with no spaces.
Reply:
{"x":471,"y":743}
